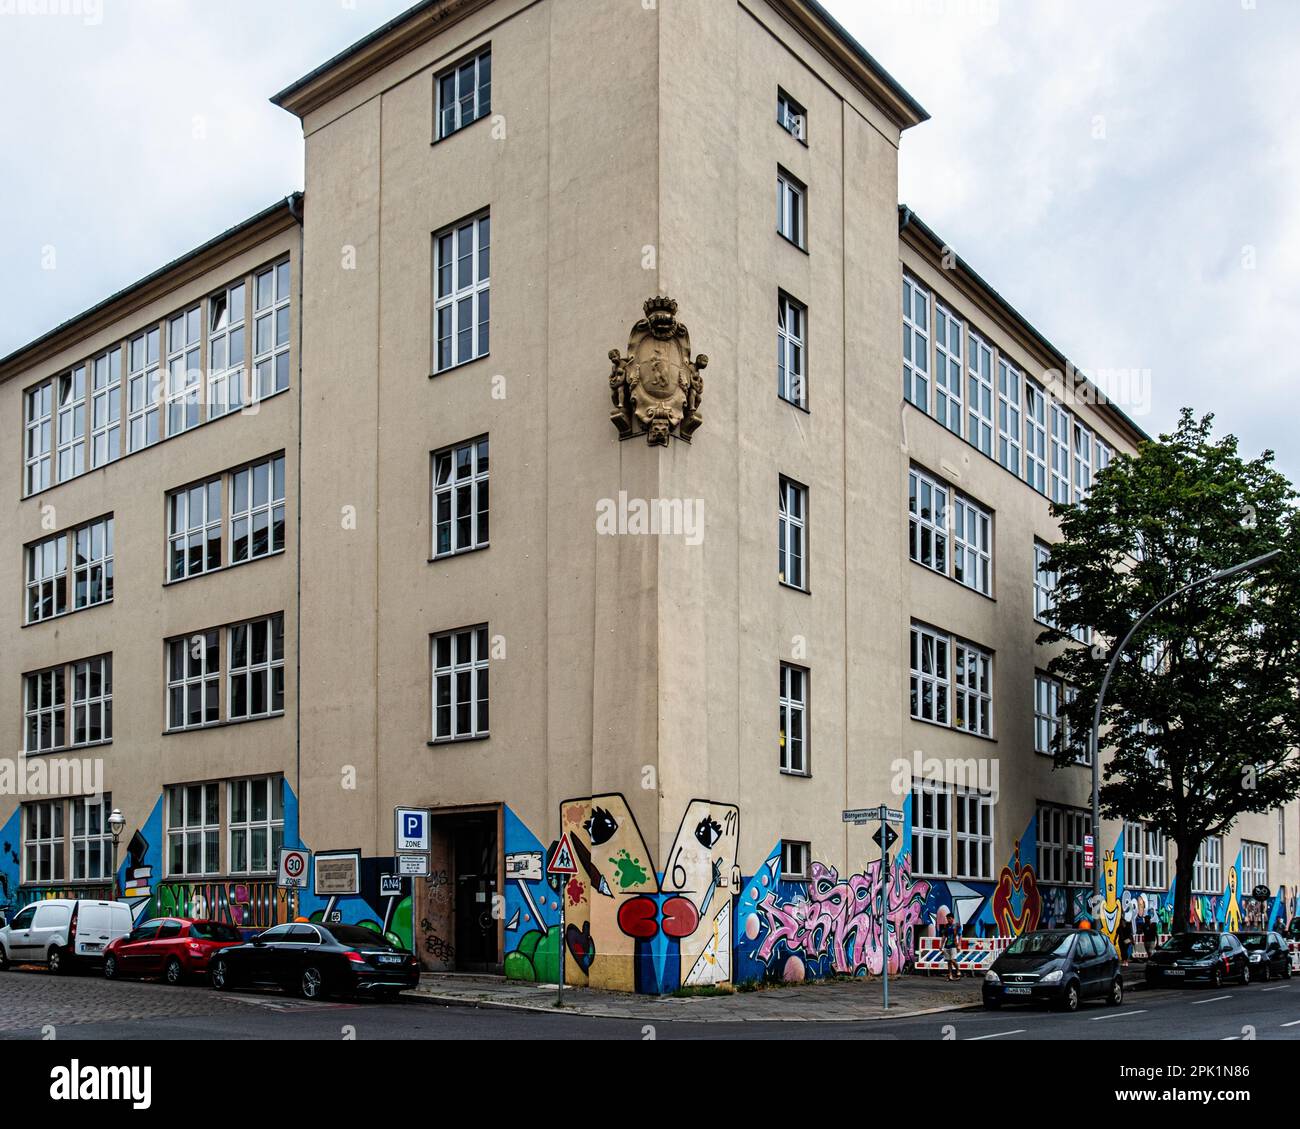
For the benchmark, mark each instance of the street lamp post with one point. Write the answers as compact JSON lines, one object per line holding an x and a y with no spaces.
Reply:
{"x":116,"y":825}
{"x":1245,"y":566}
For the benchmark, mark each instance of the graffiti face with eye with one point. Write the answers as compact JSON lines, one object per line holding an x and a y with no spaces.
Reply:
{"x":707,"y":832}
{"x":600,"y":827}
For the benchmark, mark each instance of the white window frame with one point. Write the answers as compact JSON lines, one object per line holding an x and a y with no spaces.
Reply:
{"x":928,"y":525}
{"x":228,"y":341}
{"x":44,"y":830}
{"x":792,"y":534}
{"x":144,"y":388}
{"x":89,"y":705}
{"x":45,"y":703}
{"x":475,"y":667}
{"x":916,"y":344}
{"x":791,"y":208}
{"x":930,"y":661}
{"x":949,"y":367}
{"x":932,"y":829}
{"x":272,"y":331}
{"x":244,"y":668}
{"x":979,"y":385}
{"x":972,"y":547}
{"x":70,"y":409}
{"x":247,"y":510}
{"x":106,"y":407}
{"x":796,"y":859}
{"x":791,"y":350}
{"x":469,"y":84}
{"x":1060,"y":845}
{"x":194,"y":826}
{"x":38,"y":413}
{"x":91,"y":838}
{"x":461,"y":498}
{"x":972,"y":684}
{"x":458,"y":288}
{"x":1045,"y":580}
{"x":1047,"y":712}
{"x":48,"y":578}
{"x":193,"y":525}
{"x":973,"y":834}
{"x":1010,"y":395}
{"x":1207,"y":870}
{"x":270,"y":825}
{"x":794,"y":736}
{"x":791,"y":116}
{"x":92,"y":563}
{"x":1036,"y":436}
{"x":196,"y":673}
{"x":1254,"y":866}
{"x":1059,"y":439}
{"x":184,"y":370}
{"x":1082,"y":461}
{"x":1145,"y":865}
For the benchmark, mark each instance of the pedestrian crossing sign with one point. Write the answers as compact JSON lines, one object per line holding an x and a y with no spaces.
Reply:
{"x":562,"y":858}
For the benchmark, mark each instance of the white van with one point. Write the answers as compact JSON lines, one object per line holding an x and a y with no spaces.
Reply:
{"x":62,"y":932}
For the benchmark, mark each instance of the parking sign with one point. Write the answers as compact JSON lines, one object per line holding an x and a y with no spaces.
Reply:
{"x":411,"y":832}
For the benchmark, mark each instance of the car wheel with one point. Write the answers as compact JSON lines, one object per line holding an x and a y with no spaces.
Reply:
{"x":1116,"y":996}
{"x":311,"y":986}
{"x":110,"y":967}
{"x":4,"y":960}
{"x":1286,"y":968}
{"x":1070,"y":1000}
{"x":1245,"y":975}
{"x":54,"y":958}
{"x":1216,"y":977}
{"x":1265,"y":973}
{"x":173,"y":973}
{"x":220,"y":976}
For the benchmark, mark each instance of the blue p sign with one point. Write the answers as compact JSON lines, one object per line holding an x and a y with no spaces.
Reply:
{"x":414,"y":828}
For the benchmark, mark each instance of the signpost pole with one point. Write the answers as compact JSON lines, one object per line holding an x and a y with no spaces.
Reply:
{"x":884,"y":898}
{"x":559,"y":976}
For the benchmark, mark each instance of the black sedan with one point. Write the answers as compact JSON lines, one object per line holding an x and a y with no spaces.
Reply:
{"x":316,"y":959}
{"x":1210,"y":957}
{"x":1055,"y":966}
{"x":1267,"y":952}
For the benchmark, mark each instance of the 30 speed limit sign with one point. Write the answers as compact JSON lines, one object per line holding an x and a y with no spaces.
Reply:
{"x":293,"y":868}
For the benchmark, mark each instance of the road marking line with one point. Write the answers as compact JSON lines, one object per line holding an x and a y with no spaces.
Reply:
{"x":1231,"y":1038}
{"x":1293,"y":1023}
{"x":1119,"y":1014}
{"x":1211,"y":1000}
{"x":1279,"y":988}
{"x":998,"y":1035}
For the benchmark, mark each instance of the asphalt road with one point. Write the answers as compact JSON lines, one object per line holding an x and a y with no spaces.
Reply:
{"x":35,"y":1005}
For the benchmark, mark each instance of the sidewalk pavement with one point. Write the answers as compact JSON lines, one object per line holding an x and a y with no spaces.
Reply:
{"x":822,"y":1001}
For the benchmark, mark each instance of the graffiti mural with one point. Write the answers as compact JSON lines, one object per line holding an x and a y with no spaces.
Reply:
{"x":1017,"y":904}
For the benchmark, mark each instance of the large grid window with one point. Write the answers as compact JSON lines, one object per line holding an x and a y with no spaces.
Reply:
{"x":462,"y":307}
{"x":1207,"y":871}
{"x":972,"y":558}
{"x":39,"y":445}
{"x":464,"y":93}
{"x":1144,"y":857}
{"x":460,"y":684}
{"x":92,"y":563}
{"x":72,"y":423}
{"x":791,"y":351}
{"x":1044,"y":586}
{"x":257,"y":510}
{"x":1254,"y":866}
{"x":916,"y":344}
{"x":106,"y":407}
{"x":979,"y":385}
{"x":45,"y":710}
{"x":194,"y":530}
{"x":791,"y":208}
{"x":460,"y":498}
{"x":1010,"y":384}
{"x":794,"y":719}
{"x":1036,"y":437}
{"x":1060,"y":448}
{"x":1060,"y":845}
{"x":931,"y":829}
{"x":930,"y":679}
{"x":271,"y":324}
{"x":92,"y":700}
{"x":144,"y":389}
{"x":226,"y":350}
{"x":1082,"y":461}
{"x":974,"y":840}
{"x":791,"y":534}
{"x":92,"y":840}
{"x":43,"y":842}
{"x":949,"y":334}
{"x":184,"y":370}
{"x":193,"y":830}
{"x":927,"y":521}
{"x":1050,"y":695}
{"x":47,"y":578}
{"x":973,"y":690}
{"x":255,"y":684}
{"x":255,"y":825}
{"x":193,"y":680}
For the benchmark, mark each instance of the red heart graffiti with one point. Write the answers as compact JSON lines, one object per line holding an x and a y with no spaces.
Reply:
{"x":636,"y":917}
{"x":680,"y":917}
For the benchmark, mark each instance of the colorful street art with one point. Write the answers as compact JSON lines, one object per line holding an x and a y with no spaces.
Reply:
{"x":1017,"y":904}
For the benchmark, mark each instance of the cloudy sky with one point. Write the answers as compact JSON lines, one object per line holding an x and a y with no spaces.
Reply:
{"x":1125,"y":172}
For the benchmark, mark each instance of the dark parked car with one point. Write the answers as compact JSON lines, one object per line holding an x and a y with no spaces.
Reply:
{"x":1055,"y":966}
{"x":1267,"y":952}
{"x":316,"y":959}
{"x":170,"y":947}
{"x":1212,"y":957}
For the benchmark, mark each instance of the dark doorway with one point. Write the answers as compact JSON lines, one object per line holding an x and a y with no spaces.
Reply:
{"x":476,"y":859}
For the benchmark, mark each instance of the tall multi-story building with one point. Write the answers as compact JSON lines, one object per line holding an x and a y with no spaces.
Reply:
{"x":414,"y":491}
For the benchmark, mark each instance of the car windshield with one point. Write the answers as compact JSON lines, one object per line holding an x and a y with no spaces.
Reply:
{"x":1197,"y":943}
{"x":1041,"y":944}
{"x":213,"y":931}
{"x":1253,"y":940}
{"x":359,"y":936}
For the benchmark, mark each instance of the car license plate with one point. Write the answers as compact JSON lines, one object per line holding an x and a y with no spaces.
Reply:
{"x":1019,"y":991}
{"x":91,"y":946}
{"x":390,"y":960}
{"x":1175,"y":972}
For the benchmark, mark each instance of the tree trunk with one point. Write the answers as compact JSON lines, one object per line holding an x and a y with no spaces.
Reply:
{"x":1183,"y":868}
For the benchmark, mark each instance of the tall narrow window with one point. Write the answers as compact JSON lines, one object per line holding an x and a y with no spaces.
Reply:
{"x":979,"y":386}
{"x":464,"y":93}
{"x":1036,"y":437}
{"x":72,"y":423}
{"x":1082,"y":461}
{"x":791,"y":116}
{"x":1104,"y":455}
{"x":1060,"y":454}
{"x":794,"y":860}
{"x":92,"y":700}
{"x":1047,"y":718}
{"x":256,"y":824}
{"x":1044,"y":586}
{"x":194,"y":530}
{"x":193,"y":830}
{"x":791,"y":341}
{"x":790,"y":533}
{"x":973,"y":690}
{"x":931,"y":829}
{"x":974,"y":834}
{"x":460,"y":684}
{"x":927,"y":523}
{"x":916,"y":344}
{"x":226,"y":350}
{"x":791,"y":208}
{"x":1207,"y":870}
{"x":462,"y":310}
{"x":460,"y":498}
{"x":43,"y":841}
{"x":257,"y":510}
{"x":40,"y":437}
{"x":92,"y":839}
{"x":92,"y":564}
{"x":193,"y":681}
{"x":47,"y":578}
{"x":255,"y":686}
{"x":45,"y":711}
{"x":972,"y":557}
{"x":271,"y":324}
{"x":794,"y":719}
{"x":106,"y":407}
{"x":949,"y":334}
{"x":1254,"y":866}
{"x":184,"y":370}
{"x":1009,"y":387}
{"x":144,"y":388}
{"x":930,"y":683}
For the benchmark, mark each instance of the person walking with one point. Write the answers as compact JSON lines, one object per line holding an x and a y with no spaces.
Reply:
{"x":1150,"y":934}
{"x":951,"y":934}
{"x":1124,"y":937}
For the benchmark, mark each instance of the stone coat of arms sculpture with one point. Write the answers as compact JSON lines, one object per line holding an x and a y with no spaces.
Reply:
{"x":656,"y":387}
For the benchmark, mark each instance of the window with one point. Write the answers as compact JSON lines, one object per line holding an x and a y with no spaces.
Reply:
{"x":791,"y":534}
{"x":972,"y":557}
{"x":255,"y":687}
{"x":948,"y":336}
{"x":973,"y":684}
{"x":1207,"y":871}
{"x":460,"y":498}
{"x":257,"y":510}
{"x":144,"y":389}
{"x":43,"y":841}
{"x":39,"y":440}
{"x":1254,"y":866}
{"x":45,"y":711}
{"x":791,"y":338}
{"x":1144,"y":857}
{"x":1082,"y":461}
{"x":194,"y":530}
{"x":931,"y":829}
{"x":92,"y":564}
{"x":464,"y":94}
{"x":47,"y":578}
{"x":193,"y":830}
{"x":1060,"y":844}
{"x":1036,"y":437}
{"x":72,"y":423}
{"x":270,"y":331}
{"x":974,"y":834}
{"x":927,"y":522}
{"x":462,"y":255}
{"x":1060,"y":454}
{"x":791,"y":116}
{"x":226,"y":350}
{"x":255,"y":814}
{"x":1009,"y":385}
{"x":1044,"y":586}
{"x":92,"y":841}
{"x":184,"y":369}
{"x":193,"y":681}
{"x":1104,"y":455}
{"x":929,"y":675}
{"x":791,"y":208}
{"x":979,"y":383}
{"x":92,"y":700}
{"x":794,"y":719}
{"x":794,"y":860}
{"x":916,"y":344}
{"x":460,"y":684}
{"x":1050,"y":694}
{"x":106,"y":407}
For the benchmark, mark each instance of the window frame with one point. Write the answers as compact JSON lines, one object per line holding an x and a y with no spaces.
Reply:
{"x":792,"y":533}
{"x":790,"y":849}
{"x":972,"y":689}
{"x":787,"y":110}
{"x":208,"y":833}
{"x":791,"y":350}
{"x":478,"y":61}
{"x":71,"y":409}
{"x":477,"y":667}
{"x":1035,"y":447}
{"x":980,"y":401}
{"x":272,"y":825}
{"x":791,"y":208}
{"x":80,"y":844}
{"x":1010,"y":414}
{"x":184,"y":370}
{"x":972,"y":555}
{"x":939,"y":680}
{"x":949,"y":369}
{"x":102,"y":703}
{"x":917,"y":371}
{"x":269,"y":370}
{"x":179,"y":536}
{"x":478,"y":483}
{"x":1208,"y":865}
{"x":794,"y":680}
{"x":38,"y":437}
{"x":935,"y":524}
{"x":476,"y":292}
{"x":933,"y":832}
{"x":972,"y":836}
{"x":251,"y":671}
{"x":54,"y":843}
{"x":275,"y":503}
{"x":207,"y":679}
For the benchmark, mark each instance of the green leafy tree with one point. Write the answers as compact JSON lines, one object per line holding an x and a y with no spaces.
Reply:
{"x":1202,"y":717}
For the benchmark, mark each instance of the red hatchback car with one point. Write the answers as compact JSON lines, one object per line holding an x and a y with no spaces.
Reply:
{"x":170,"y":947}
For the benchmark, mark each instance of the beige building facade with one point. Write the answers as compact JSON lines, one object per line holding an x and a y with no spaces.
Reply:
{"x":664,"y":626}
